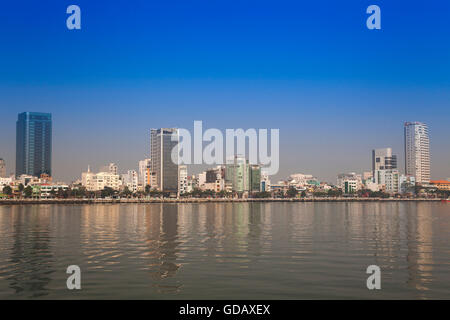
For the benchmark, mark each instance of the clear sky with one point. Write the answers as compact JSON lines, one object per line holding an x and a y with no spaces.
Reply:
{"x":335,"y":89}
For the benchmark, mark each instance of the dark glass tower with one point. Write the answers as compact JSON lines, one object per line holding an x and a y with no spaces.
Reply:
{"x":163,"y":141}
{"x":34,"y":144}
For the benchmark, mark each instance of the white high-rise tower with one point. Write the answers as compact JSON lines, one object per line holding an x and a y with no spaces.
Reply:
{"x":417,"y":151}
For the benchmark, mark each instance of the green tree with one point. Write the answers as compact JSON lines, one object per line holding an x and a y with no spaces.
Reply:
{"x":126,"y":192}
{"x":107,"y":192}
{"x":79,"y":192}
{"x":334,"y":192}
{"x":60,"y":193}
{"x":7,"y":190}
{"x":28,"y":191}
{"x":53,"y":192}
{"x":262,"y":194}
{"x":364,"y":193}
{"x":379,"y":194}
{"x":292,"y":192}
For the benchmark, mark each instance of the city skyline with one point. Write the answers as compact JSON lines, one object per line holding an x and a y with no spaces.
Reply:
{"x":382,"y":158}
{"x":191,"y":154}
{"x":314,"y":71}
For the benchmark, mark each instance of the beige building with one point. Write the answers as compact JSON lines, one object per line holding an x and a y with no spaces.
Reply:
{"x":98,"y":181}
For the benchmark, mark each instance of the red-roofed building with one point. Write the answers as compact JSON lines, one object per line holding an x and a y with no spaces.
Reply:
{"x":441,"y":184}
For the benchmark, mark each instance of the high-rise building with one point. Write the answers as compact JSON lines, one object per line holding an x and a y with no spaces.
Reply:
{"x":34,"y":144}
{"x":144,"y":171}
{"x":2,"y":168}
{"x":417,"y":151}
{"x":236,"y":174}
{"x":383,"y":159}
{"x":163,"y":141}
{"x":182,"y":179}
{"x":255,"y":178}
{"x":242,"y":176}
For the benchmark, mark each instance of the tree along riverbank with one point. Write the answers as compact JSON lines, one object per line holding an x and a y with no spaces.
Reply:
{"x":209,"y":200}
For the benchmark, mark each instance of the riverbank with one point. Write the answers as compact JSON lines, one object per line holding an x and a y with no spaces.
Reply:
{"x":204,"y":200}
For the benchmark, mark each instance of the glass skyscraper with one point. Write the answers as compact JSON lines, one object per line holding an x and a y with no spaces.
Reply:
{"x":242,"y":176}
{"x":163,"y":141}
{"x":34,"y":144}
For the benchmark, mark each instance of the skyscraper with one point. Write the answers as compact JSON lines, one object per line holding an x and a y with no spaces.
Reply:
{"x":34,"y":144}
{"x":236,"y":173}
{"x":165,"y":169}
{"x":382,"y":159}
{"x":417,"y":151}
{"x":2,"y":168}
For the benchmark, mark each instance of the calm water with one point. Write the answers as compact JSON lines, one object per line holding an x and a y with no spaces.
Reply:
{"x":226,"y":251}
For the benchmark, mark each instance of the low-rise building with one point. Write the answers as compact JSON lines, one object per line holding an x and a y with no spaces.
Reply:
{"x":406,"y":184}
{"x":441,"y":184}
{"x":349,"y":182}
{"x":6,"y":182}
{"x":265,"y":185}
{"x":46,"y":191}
{"x":98,"y":181}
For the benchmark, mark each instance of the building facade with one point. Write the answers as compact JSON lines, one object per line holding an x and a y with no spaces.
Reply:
{"x":237,"y":174}
{"x":144,"y":172}
{"x":349,"y":182}
{"x":182,"y":179}
{"x":417,"y":151}
{"x":265,"y":183}
{"x":130,"y":180}
{"x":388,"y":180}
{"x":383,"y":159}
{"x":98,"y":181}
{"x":163,"y":141}
{"x":110,"y":168}
{"x":2,"y":168}
{"x":241,"y":176}
{"x":406,"y":184}
{"x":441,"y":184}
{"x":34,"y":144}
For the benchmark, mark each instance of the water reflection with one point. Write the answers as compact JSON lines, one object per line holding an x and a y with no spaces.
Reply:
{"x":420,"y":248}
{"x":225,"y":250}
{"x":29,"y":267}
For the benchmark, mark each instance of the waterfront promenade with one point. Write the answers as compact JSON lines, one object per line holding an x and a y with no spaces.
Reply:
{"x":205,"y":200}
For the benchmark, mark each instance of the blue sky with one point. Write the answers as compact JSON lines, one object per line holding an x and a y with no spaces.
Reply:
{"x":312,"y":69}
